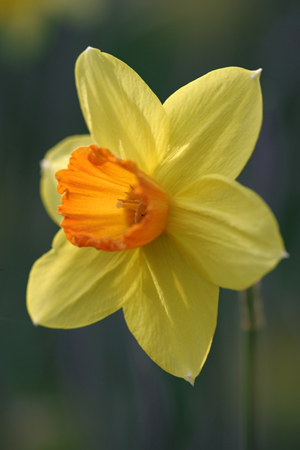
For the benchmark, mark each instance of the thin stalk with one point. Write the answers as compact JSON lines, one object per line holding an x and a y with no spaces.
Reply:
{"x":252,"y":319}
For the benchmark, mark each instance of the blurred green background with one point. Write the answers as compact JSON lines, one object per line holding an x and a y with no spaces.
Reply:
{"x":94,"y":388}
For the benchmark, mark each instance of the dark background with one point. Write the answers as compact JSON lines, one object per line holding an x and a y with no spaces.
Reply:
{"x":94,"y":388}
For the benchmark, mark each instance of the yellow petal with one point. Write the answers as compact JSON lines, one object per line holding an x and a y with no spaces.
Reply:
{"x":214,"y":124}
{"x":225,"y":232}
{"x":120,"y":110}
{"x":55,"y":159}
{"x":174,"y":317}
{"x":71,"y":287}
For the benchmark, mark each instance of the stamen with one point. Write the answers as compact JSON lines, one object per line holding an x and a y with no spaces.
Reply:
{"x":136,"y":204}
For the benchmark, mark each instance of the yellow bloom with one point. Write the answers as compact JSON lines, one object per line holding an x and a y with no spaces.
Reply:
{"x":154,"y":185}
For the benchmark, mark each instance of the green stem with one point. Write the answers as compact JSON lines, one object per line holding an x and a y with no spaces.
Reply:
{"x":252,"y":319}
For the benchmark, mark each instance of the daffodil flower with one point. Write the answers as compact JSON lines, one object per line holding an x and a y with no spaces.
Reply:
{"x":153,"y":219}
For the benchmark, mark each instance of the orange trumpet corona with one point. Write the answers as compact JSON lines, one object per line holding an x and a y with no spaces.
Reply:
{"x":108,"y":203}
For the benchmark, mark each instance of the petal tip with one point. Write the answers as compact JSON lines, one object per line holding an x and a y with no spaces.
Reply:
{"x":190,"y":379}
{"x":44,"y":164}
{"x":256,"y":73}
{"x":90,"y":49}
{"x":286,"y":255}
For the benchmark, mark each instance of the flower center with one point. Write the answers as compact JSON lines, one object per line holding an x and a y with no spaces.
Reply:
{"x":108,"y":203}
{"x":135,"y":203}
